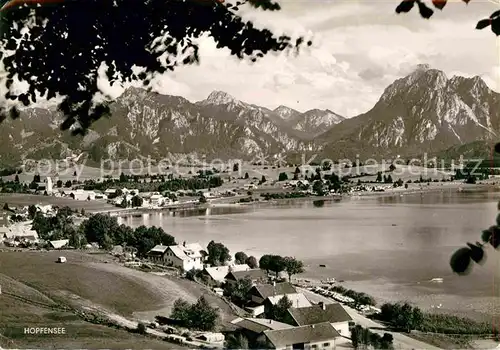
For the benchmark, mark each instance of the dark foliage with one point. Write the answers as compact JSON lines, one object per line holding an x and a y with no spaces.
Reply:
{"x":199,"y":316}
{"x":426,"y":12}
{"x":69,"y":41}
{"x":407,"y":317}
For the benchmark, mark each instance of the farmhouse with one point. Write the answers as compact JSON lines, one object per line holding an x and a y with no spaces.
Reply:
{"x":334,"y":314}
{"x":20,"y":232}
{"x":79,"y":194}
{"x":316,"y":336}
{"x":185,"y":256}
{"x":253,"y":328}
{"x":256,"y":275}
{"x":260,"y":292}
{"x":298,"y":300}
{"x":216,"y":274}
{"x":269,"y":334}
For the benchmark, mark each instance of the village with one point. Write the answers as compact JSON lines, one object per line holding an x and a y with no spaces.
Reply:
{"x":271,"y":313}
{"x":268,"y":309}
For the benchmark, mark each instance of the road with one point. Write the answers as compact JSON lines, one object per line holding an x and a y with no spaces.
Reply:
{"x":400,"y":341}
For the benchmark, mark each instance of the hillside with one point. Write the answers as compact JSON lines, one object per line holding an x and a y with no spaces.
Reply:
{"x":35,"y":288}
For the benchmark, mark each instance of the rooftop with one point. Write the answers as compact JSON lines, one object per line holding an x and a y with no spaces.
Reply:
{"x":187,"y":251}
{"x":298,"y":300}
{"x":316,"y":314}
{"x":281,"y":338}
{"x":219,"y":272}
{"x":259,"y":325}
{"x":253,"y":274}
{"x":269,"y":290}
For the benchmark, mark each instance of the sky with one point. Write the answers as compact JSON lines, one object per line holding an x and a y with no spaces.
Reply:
{"x":359,"y":48}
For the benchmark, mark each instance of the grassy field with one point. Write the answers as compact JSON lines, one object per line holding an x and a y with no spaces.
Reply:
{"x":29,"y":304}
{"x":34,"y":287}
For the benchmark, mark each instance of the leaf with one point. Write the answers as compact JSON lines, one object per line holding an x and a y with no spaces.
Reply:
{"x":424,"y":10}
{"x":405,"y":6}
{"x":466,"y":1}
{"x":439,"y":4}
{"x":486,"y":235}
{"x":495,"y":14}
{"x":495,"y":26}
{"x":495,"y":237}
{"x":477,"y":253}
{"x":481,"y":25}
{"x":460,"y":261}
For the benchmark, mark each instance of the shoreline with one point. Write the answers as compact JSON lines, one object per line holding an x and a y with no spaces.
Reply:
{"x":442,"y":187}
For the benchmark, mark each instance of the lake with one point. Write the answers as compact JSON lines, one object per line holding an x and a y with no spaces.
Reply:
{"x":388,"y":247}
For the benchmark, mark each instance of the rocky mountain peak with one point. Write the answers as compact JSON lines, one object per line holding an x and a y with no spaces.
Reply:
{"x":422,"y":78}
{"x":286,"y":112}
{"x":219,"y":98}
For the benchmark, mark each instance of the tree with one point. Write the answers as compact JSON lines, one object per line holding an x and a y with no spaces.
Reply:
{"x":247,"y":176}
{"x":199,"y":316}
{"x":263,"y":179}
{"x":68,"y":184}
{"x":236,"y":342}
{"x":265,"y":262}
{"x":379,"y":176}
{"x":32,"y":211}
{"x":100,"y":228}
{"x":357,"y":336}
{"x":282,"y":176}
{"x":279,"y":311}
{"x":36,"y":178}
{"x":240,"y":257}
{"x":76,"y":238}
{"x":101,"y":31}
{"x":236,"y":167}
{"x":141,"y":328}
{"x":218,"y":254}
{"x":59,"y":183}
{"x":136,"y":201}
{"x":251,"y":261}
{"x":202,"y":199}
{"x":16,"y":179}
{"x":124,"y":203}
{"x":239,"y":291}
{"x":277,"y":264}
{"x":293,"y":267}
{"x":180,"y":311}
{"x":143,"y":238}
{"x":318,"y":187}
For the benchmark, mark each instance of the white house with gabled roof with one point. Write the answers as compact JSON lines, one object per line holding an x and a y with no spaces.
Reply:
{"x":184,"y":256}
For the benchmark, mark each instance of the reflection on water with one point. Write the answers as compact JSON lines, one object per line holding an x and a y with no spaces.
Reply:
{"x":400,"y":241}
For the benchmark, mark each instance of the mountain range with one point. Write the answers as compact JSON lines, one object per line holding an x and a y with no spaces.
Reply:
{"x":422,"y":112}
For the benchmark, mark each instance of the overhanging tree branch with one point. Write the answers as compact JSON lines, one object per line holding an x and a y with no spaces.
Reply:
{"x":67,"y":43}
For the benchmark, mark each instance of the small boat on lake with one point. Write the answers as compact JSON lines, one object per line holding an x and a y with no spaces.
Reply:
{"x":437,"y":280}
{"x":322,"y":265}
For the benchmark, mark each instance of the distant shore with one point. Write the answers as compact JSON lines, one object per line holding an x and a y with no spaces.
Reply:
{"x":230,"y":201}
